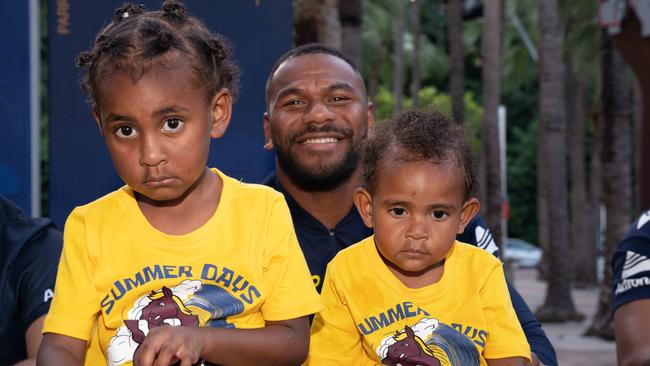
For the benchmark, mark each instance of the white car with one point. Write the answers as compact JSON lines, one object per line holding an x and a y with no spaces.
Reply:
{"x":522,"y":253}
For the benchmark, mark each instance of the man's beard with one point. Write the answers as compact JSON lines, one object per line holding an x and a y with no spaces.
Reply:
{"x":319,"y":178}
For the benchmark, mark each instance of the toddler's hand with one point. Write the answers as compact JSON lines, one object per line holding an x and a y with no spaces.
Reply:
{"x":166,"y":345}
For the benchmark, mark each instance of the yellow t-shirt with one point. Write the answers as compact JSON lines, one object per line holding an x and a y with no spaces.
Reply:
{"x":240,"y":269}
{"x":370,"y":316}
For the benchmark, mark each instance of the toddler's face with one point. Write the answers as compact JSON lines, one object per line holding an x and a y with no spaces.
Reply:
{"x":157,"y":130}
{"x":416,"y":211}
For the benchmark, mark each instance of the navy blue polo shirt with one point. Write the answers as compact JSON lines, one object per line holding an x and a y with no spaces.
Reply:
{"x":29,"y":257}
{"x":320,"y":244}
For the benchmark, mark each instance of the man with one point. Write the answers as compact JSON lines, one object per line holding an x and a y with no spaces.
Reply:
{"x":317,"y":116}
{"x":29,"y":255}
{"x":631,"y":268}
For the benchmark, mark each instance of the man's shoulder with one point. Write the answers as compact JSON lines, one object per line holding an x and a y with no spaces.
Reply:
{"x":631,"y":263}
{"x":17,"y":228}
{"x":640,"y":228}
{"x":479,"y":235}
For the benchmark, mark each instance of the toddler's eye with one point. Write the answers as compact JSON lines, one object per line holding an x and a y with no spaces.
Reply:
{"x":125,"y":132}
{"x":439,"y":214}
{"x":172,"y":125}
{"x":398,"y":211}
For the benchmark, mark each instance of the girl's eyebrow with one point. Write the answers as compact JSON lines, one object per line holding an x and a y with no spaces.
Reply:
{"x":168,"y":110}
{"x":159,"y":113}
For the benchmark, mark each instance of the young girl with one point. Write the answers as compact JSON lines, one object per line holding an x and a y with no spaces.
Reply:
{"x":411,"y":294}
{"x":182,"y":263}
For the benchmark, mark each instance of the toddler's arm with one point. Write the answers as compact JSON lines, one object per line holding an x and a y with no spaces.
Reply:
{"x":58,"y":349}
{"x":279,"y":343}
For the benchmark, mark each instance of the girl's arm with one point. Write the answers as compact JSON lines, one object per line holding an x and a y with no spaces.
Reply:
{"x":58,"y":349}
{"x":509,"y":361}
{"x":279,"y":343}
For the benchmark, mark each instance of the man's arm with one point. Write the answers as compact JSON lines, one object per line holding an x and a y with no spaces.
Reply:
{"x":33,"y":338}
{"x":35,"y":275}
{"x":279,"y":343}
{"x":58,"y":349}
{"x":540,"y":346}
{"x":632,"y":346}
{"x":478,"y":234}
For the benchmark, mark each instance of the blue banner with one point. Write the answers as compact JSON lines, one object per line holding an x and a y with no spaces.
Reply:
{"x":80,"y":168}
{"x":15,"y":104}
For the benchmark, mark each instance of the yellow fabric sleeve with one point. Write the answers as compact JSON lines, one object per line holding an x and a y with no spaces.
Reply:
{"x":285,"y":272}
{"x":75,"y":306}
{"x":335,"y":339}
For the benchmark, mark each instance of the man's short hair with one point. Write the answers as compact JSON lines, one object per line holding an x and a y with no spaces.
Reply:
{"x":307,"y":49}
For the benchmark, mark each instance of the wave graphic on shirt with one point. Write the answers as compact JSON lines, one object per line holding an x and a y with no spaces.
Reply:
{"x":634,"y":263}
{"x":428,"y":343}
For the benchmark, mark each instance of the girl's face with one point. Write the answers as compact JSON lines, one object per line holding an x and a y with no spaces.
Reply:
{"x":158,"y":129}
{"x":416,"y":211}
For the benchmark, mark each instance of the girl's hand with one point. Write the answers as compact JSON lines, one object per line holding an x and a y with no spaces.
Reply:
{"x":166,"y":345}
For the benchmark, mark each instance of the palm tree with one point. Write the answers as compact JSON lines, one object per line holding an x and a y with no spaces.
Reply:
{"x":415,"y":68}
{"x":491,"y":74}
{"x":616,"y":177}
{"x":457,"y":76}
{"x":558,"y":305}
{"x":398,"y":74}
{"x":351,"y":17}
{"x":317,"y":21}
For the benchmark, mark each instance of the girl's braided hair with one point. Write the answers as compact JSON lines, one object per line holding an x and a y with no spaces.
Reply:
{"x":135,"y":39}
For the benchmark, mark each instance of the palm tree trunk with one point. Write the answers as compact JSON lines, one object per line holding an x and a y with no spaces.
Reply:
{"x":415,"y":75}
{"x":491,"y":74}
{"x":317,"y":21}
{"x":351,"y":17}
{"x":583,"y":249}
{"x":558,"y":305}
{"x":398,"y":74}
{"x":616,"y":174}
{"x":457,"y":77}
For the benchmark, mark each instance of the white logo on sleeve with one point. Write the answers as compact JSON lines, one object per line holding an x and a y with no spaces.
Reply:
{"x":634,"y":263}
{"x":48,"y":295}
{"x":643,"y":220}
{"x":484,"y":240}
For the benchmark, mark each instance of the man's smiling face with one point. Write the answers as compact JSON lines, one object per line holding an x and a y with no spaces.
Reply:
{"x":317,"y":117}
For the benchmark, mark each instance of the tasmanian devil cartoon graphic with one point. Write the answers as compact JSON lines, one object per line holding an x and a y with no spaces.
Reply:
{"x":165,"y":308}
{"x":409,"y":350}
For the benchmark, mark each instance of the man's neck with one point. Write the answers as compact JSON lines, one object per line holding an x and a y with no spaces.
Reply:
{"x":330,"y":207}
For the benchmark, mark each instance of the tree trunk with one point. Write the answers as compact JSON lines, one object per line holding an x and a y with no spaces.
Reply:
{"x":398,"y":74}
{"x":317,"y":21}
{"x":415,"y":75}
{"x":635,"y":49}
{"x":491,"y":74}
{"x":558,"y":305}
{"x":616,"y":175}
{"x":457,"y":77}
{"x":583,"y":240}
{"x":351,"y":17}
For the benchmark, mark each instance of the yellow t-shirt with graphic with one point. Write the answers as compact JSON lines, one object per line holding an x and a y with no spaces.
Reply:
{"x":370,"y":316}
{"x":240,"y":269}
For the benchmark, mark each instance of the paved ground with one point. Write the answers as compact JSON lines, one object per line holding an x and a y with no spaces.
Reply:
{"x":573,"y":349}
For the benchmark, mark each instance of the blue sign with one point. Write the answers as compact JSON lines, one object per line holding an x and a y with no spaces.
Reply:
{"x":80,"y":168}
{"x":17,"y":92}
